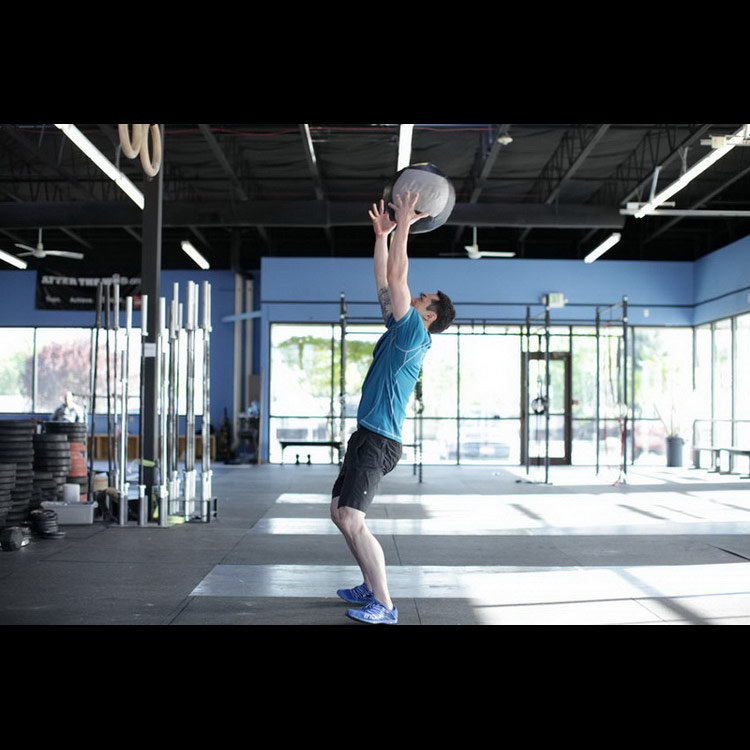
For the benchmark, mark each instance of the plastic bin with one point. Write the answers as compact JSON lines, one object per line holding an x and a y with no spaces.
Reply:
{"x":69,"y":514}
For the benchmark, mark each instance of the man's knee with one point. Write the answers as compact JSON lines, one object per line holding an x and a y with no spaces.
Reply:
{"x":349,"y":520}
{"x":335,"y":510}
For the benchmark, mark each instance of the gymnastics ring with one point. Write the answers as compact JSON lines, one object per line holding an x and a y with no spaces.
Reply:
{"x":151,"y":166}
{"x":539,"y":405}
{"x":139,"y":146}
{"x":131,"y":149}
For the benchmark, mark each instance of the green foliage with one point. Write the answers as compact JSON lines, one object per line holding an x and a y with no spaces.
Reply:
{"x":14,"y":371}
{"x":312,"y":357}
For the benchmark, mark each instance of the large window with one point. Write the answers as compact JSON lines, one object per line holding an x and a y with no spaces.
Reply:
{"x":39,"y":365}
{"x":722,"y":381}
{"x":63,"y":363}
{"x":663,"y":401}
{"x":742,"y":380}
{"x":490,"y":396}
{"x":722,"y":403}
{"x":305,"y":385}
{"x":472,"y":390}
{"x":17,"y":370}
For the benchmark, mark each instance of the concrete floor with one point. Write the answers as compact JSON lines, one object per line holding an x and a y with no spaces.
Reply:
{"x":467,"y":546}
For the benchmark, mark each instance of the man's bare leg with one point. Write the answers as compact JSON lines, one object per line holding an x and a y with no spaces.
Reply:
{"x":366,"y":550}
{"x":335,"y":519}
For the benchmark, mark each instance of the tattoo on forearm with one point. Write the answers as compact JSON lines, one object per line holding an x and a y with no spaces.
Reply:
{"x":384,"y":297}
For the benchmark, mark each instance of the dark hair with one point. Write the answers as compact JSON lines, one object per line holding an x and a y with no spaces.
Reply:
{"x":445,"y":313}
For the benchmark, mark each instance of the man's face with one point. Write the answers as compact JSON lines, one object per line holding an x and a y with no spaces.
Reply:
{"x":422,"y":302}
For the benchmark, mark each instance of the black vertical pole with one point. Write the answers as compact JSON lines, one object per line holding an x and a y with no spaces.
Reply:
{"x":95,"y":343}
{"x":625,"y":384}
{"x":598,"y":389}
{"x":151,"y":285}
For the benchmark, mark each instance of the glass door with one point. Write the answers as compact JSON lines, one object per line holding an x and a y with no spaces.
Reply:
{"x":546,"y":429}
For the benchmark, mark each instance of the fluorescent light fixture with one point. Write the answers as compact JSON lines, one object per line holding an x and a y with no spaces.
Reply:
{"x":17,"y":262}
{"x":103,"y":163}
{"x":310,"y":147}
{"x":404,"y":146}
{"x":195,"y":255}
{"x":692,"y":173}
{"x":613,"y":239}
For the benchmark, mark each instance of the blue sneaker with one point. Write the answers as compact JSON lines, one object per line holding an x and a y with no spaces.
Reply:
{"x":357,"y":595}
{"x":375,"y":613}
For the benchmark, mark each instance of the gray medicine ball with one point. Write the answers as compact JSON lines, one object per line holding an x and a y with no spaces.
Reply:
{"x":437,"y":197}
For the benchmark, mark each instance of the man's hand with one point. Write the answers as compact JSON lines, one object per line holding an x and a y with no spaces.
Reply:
{"x":404,"y":209}
{"x":398,"y":261}
{"x":381,"y":222}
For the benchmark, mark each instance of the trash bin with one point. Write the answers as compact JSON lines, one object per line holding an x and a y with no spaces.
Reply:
{"x":675,"y":447}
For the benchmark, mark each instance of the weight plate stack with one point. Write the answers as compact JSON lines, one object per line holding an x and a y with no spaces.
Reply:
{"x":52,"y":454}
{"x":17,"y":447}
{"x":44,"y":489}
{"x":77,"y":435}
{"x":44,"y":523}
{"x":7,"y":482}
{"x":20,"y":495}
{"x":76,"y":432}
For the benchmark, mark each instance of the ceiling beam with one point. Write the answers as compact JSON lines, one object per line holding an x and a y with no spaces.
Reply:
{"x":575,"y":158}
{"x":696,"y":204}
{"x":312,"y":164}
{"x":646,"y":146}
{"x":237,"y":188}
{"x":69,"y":232}
{"x":35,"y":157}
{"x":576,"y":164}
{"x":220,"y":156}
{"x":111,"y":134}
{"x":293,"y":214}
{"x":76,"y":237}
{"x":487,"y":163}
{"x":201,"y":237}
{"x":135,"y":235}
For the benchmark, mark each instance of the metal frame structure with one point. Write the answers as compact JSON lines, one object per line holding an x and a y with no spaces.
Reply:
{"x":342,"y":374}
{"x":624,"y":370}
{"x":524,"y":389}
{"x":417,"y":469}
{"x":173,"y":487}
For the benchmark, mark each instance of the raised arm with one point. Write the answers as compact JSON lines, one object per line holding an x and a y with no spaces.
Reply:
{"x":398,"y":261}
{"x":383,"y":226}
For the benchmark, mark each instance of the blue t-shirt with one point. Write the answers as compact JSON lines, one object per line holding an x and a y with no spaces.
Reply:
{"x":396,"y":362}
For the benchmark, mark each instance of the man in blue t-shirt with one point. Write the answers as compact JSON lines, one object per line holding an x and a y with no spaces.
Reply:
{"x":375,"y":447}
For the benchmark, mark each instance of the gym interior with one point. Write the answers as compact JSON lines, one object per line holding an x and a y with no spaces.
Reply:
{"x":576,"y":450}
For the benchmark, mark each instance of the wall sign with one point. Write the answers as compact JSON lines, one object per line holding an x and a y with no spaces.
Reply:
{"x":56,"y":292}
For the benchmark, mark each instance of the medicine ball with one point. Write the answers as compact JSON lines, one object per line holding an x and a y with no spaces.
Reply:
{"x":437,"y":196}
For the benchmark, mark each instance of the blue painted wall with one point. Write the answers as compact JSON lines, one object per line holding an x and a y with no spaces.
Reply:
{"x":492,"y":289}
{"x":722,"y":283}
{"x":17,"y":308}
{"x":309,"y":289}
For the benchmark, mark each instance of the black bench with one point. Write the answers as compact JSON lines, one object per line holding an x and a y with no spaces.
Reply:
{"x":716,"y":451}
{"x":302,"y":443}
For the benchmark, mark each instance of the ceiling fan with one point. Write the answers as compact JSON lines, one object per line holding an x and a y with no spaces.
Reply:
{"x":40,"y":252}
{"x":474,"y":252}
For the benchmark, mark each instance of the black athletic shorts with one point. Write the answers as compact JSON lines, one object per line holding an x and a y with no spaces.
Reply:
{"x":369,"y":457}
